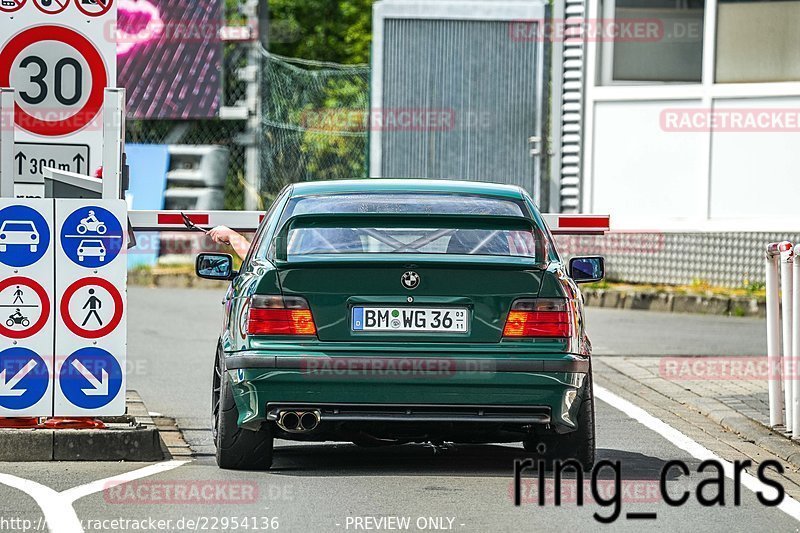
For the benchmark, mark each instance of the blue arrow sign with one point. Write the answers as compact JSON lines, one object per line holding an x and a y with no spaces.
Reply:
{"x":24,"y":236}
{"x":23,"y":378}
{"x":92,"y":236}
{"x":90,"y":378}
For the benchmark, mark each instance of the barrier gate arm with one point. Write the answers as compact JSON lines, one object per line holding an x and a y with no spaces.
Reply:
{"x":249,"y":221}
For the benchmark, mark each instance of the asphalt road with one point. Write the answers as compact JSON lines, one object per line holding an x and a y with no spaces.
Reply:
{"x":340,"y":487}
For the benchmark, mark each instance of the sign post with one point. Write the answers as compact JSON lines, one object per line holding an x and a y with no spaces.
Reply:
{"x":6,"y":143}
{"x":113,"y":142}
{"x":91,"y":326}
{"x":59,"y":56}
{"x":26,"y":307}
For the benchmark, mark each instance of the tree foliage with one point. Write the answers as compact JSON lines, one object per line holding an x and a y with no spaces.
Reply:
{"x":322,"y":30}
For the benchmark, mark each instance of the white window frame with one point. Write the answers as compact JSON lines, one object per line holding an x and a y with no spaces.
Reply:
{"x":607,"y":12}
{"x":707,"y":93}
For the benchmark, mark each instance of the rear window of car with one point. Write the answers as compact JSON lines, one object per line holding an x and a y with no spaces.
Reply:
{"x":416,"y":240}
{"x":429,"y":240}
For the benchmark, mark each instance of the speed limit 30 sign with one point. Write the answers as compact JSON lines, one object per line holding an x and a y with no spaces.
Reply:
{"x":59,"y":56}
{"x":72,"y":92}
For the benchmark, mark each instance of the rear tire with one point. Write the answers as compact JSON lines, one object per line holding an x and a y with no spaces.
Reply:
{"x":237,"y":448}
{"x":578,"y":445}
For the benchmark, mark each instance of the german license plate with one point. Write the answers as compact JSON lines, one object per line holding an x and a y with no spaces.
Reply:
{"x":411,"y":319}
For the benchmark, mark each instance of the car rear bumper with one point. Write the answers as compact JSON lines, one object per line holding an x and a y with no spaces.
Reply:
{"x":523,"y":389}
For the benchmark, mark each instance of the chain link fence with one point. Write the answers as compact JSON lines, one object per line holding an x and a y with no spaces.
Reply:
{"x":315,"y":122}
{"x":217,"y":131}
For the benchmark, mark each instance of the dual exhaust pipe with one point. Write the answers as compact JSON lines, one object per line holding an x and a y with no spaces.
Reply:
{"x":298,"y":421}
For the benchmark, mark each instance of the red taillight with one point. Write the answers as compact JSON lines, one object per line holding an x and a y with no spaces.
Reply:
{"x":280,"y":315}
{"x":544,"y":317}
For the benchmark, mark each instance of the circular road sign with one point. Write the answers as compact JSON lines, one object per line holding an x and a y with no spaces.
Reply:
{"x":51,"y":7}
{"x":94,"y":8}
{"x":92,"y":236}
{"x":91,"y":308}
{"x":24,"y":236}
{"x":59,"y":75}
{"x":24,"y":378}
{"x":10,"y":6}
{"x":24,"y":307}
{"x":90,"y":378}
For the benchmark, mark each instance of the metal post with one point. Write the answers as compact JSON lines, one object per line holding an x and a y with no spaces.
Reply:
{"x":113,"y":142}
{"x":795,"y":351}
{"x":787,"y":261}
{"x":774,"y":336}
{"x":6,"y":143}
{"x":252,"y":151}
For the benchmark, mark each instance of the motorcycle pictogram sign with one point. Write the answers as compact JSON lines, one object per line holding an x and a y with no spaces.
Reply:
{"x":92,"y":237}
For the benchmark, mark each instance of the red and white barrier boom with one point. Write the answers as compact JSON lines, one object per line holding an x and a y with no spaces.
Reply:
{"x":249,"y":220}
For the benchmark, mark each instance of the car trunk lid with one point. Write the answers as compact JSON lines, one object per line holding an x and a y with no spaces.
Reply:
{"x":361,"y":295}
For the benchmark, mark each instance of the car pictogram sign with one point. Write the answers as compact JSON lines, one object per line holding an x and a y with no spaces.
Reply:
{"x":24,"y":236}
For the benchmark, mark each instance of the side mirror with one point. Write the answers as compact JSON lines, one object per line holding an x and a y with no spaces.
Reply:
{"x":587,"y":269}
{"x":215,"y":266}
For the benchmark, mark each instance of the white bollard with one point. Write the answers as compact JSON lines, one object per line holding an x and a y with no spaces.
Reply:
{"x":787,"y":261}
{"x":796,"y":342}
{"x":774,"y":336}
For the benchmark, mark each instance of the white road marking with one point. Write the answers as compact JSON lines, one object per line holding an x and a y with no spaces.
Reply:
{"x":77,"y":493}
{"x":57,"y":506}
{"x":57,"y":511}
{"x":790,"y":506}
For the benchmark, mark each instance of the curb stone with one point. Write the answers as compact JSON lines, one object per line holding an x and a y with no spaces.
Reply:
{"x":173,"y":280}
{"x":770,"y":440}
{"x":675,"y":303}
{"x":132,"y":437}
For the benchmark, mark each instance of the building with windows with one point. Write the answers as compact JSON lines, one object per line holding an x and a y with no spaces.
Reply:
{"x":696,"y":124}
{"x":680,"y":118}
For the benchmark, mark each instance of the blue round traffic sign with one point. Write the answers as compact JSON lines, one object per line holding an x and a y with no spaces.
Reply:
{"x":23,"y":378}
{"x":90,"y":378}
{"x":24,"y":236}
{"x":92,"y":236}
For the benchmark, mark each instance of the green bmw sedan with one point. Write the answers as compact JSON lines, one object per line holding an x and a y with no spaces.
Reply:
{"x":385,"y":312}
